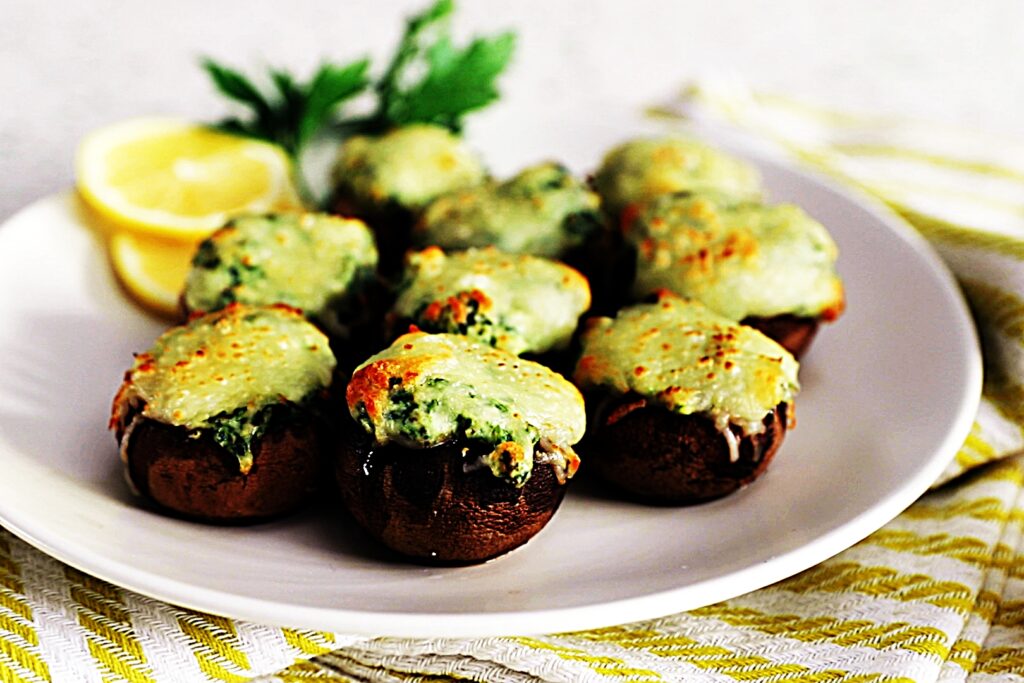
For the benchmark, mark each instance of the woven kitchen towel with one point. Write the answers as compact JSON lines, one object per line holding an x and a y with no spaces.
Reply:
{"x":936,"y":595}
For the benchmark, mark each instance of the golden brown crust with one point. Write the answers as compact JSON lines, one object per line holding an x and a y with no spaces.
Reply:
{"x":370,"y":384}
{"x":196,"y":478}
{"x":434,"y":506}
{"x":657,"y":456}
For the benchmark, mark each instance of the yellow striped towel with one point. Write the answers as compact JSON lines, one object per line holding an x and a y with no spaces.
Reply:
{"x":935,"y":595}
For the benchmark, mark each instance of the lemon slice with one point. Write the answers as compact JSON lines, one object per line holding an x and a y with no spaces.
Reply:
{"x":152,"y":269}
{"x":180,"y":180}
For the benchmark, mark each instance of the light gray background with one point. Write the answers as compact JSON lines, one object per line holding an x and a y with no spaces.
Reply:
{"x":68,"y":67}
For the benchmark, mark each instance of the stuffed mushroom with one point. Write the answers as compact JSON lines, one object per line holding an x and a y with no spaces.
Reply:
{"x":637,"y":171}
{"x":218,"y":420}
{"x":455,"y":451}
{"x":771,"y":267}
{"x":543,"y":210}
{"x":321,"y":264}
{"x":686,"y":405}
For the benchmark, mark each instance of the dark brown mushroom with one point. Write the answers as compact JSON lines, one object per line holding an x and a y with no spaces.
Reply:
{"x":793,"y":333}
{"x":657,"y":456}
{"x":197,"y":478}
{"x":439,"y":505}
{"x":391,"y":225}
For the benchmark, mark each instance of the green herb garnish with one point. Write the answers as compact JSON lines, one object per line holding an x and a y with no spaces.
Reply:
{"x":453,"y":83}
{"x":294,"y":112}
{"x":428,"y":80}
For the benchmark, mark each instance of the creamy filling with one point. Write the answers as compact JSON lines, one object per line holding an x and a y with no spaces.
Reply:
{"x":730,"y":438}
{"x":562,"y":459}
{"x":747,"y":428}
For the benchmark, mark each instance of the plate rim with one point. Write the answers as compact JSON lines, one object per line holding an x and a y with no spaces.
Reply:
{"x":594,"y":615}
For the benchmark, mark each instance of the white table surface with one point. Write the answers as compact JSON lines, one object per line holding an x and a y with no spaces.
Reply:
{"x":68,"y":67}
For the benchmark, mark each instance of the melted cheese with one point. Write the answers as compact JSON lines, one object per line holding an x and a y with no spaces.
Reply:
{"x":738,"y":258}
{"x":678,"y":354}
{"x":522,"y":304}
{"x":429,"y":389}
{"x":639,"y":170}
{"x":408,"y":166}
{"x":237,"y":358}
{"x":308,"y":261}
{"x":543,"y":211}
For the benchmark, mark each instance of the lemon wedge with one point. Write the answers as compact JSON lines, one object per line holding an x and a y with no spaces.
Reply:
{"x":180,"y":180}
{"x":152,"y":269}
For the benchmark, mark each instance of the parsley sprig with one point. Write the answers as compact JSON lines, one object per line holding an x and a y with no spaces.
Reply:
{"x":292,"y":114}
{"x":428,"y":80}
{"x":452,"y":81}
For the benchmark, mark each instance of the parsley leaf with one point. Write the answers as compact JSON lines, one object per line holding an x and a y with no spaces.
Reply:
{"x":428,"y":80}
{"x":237,"y":87}
{"x":452,"y":81}
{"x":292,"y":114}
{"x":457,"y":82}
{"x":330,"y":86}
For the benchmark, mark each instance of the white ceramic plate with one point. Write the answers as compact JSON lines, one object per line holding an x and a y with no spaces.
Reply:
{"x":889,"y":395}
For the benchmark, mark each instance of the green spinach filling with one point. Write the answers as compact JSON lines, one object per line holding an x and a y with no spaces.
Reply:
{"x":431,"y":389}
{"x":238,"y":430}
{"x":239,"y":274}
{"x":467,"y":320}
